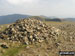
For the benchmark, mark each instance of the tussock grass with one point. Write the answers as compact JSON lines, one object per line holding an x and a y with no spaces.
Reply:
{"x":13,"y":51}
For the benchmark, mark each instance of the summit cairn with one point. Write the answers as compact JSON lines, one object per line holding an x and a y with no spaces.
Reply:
{"x":29,"y":31}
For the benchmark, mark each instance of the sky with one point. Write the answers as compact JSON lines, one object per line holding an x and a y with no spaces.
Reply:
{"x":54,"y":8}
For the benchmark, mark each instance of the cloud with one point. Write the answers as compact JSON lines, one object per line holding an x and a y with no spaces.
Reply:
{"x":18,"y":2}
{"x":38,"y":7}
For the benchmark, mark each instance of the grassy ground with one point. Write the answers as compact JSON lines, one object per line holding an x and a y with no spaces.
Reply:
{"x":2,"y":27}
{"x":13,"y":51}
{"x":36,"y":50}
{"x":58,"y":23}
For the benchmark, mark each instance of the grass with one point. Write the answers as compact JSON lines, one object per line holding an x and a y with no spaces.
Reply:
{"x":53,"y":22}
{"x":13,"y":51}
{"x":3,"y":27}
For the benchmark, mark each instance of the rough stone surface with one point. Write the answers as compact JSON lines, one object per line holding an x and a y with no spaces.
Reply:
{"x":29,"y":31}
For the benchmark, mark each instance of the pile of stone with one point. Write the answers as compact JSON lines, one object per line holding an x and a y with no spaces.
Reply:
{"x":29,"y":31}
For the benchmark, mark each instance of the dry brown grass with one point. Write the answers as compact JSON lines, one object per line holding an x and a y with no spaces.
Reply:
{"x":43,"y":49}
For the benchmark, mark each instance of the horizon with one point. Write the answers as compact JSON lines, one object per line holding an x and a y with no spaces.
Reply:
{"x":38,"y":15}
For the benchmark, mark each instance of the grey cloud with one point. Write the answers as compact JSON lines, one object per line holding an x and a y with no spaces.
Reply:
{"x":43,"y":7}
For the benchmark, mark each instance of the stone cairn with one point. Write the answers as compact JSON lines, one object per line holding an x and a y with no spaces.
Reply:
{"x":29,"y":31}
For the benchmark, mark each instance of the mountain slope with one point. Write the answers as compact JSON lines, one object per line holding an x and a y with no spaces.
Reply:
{"x":7,"y":19}
{"x":70,"y":19}
{"x":11,"y":18}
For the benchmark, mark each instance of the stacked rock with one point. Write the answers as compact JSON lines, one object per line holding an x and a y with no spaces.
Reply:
{"x":29,"y":31}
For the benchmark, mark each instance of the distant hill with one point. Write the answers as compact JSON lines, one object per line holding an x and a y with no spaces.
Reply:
{"x":7,"y":19}
{"x":61,"y":19}
{"x":11,"y":18}
{"x":44,"y":18}
{"x":38,"y":17}
{"x":70,"y":19}
{"x":55,"y":19}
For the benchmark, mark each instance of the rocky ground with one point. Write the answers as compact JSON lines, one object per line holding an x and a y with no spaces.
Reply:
{"x":32,"y":37}
{"x":65,"y":42}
